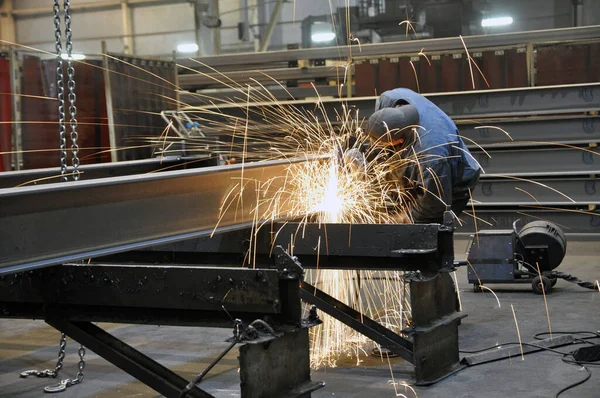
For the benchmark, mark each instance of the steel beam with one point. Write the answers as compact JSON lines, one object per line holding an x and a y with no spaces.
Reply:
{"x":546,"y":192}
{"x":278,"y":93}
{"x":425,"y":247}
{"x":530,"y":131}
{"x":528,"y":101}
{"x":127,"y":358}
{"x":149,"y":289}
{"x":103,"y":170}
{"x":244,"y":77}
{"x":58,"y":223}
{"x":573,"y":221}
{"x":556,"y":162}
{"x":404,"y":47}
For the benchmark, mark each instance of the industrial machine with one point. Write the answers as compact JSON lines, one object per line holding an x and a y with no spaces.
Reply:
{"x":510,"y":256}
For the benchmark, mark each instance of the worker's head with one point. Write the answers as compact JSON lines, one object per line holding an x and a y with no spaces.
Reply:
{"x":392,"y":127}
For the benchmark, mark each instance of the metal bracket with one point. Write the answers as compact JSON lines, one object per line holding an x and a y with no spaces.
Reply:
{"x":288,"y":266}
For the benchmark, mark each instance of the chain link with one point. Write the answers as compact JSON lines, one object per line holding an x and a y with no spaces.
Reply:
{"x":61,"y":93}
{"x":52,"y":373}
{"x":71,"y":86}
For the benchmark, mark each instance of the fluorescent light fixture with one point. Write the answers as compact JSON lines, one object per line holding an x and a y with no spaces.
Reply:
{"x":76,"y":57}
{"x":499,"y":21}
{"x":322,"y":37}
{"x":187,"y":48}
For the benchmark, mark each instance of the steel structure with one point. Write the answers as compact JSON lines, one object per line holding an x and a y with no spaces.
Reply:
{"x":123,"y":213}
{"x":511,"y":102}
{"x":173,"y":293}
{"x":271,"y":59}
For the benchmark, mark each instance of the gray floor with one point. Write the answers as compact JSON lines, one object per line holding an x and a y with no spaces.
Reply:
{"x":26,"y":345}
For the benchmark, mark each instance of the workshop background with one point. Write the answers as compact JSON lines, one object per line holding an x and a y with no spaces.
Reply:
{"x":160,"y":87}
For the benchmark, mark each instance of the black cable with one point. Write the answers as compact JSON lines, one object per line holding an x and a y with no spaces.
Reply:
{"x":577,"y":383}
{"x":593,"y":335}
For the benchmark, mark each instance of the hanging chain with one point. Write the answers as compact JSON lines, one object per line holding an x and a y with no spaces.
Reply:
{"x":61,"y":93}
{"x":59,"y":363}
{"x":71,"y":86}
{"x":64,"y":384}
{"x":52,"y":373}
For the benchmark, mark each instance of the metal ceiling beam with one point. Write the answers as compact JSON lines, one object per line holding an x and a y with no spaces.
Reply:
{"x":70,"y":221}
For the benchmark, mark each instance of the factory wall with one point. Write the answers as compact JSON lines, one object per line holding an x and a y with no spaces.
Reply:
{"x":158,"y":28}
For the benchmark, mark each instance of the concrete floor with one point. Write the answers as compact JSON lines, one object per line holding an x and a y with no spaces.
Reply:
{"x":26,"y":344}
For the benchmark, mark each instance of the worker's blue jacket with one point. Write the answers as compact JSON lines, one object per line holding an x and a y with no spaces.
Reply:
{"x":445,"y":170}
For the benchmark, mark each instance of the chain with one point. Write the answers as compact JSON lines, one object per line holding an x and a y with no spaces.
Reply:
{"x":61,"y":93}
{"x":71,"y":86}
{"x":52,"y":373}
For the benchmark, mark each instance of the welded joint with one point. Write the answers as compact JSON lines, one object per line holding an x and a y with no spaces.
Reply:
{"x":438,"y":323}
{"x":288,"y":266}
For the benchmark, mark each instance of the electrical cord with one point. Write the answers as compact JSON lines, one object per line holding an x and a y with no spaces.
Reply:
{"x":565,"y":355}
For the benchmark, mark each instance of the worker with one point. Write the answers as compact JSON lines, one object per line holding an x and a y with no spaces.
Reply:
{"x":435,"y":169}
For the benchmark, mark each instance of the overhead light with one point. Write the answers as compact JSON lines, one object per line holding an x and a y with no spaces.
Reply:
{"x":499,"y":21}
{"x":322,"y":37}
{"x":76,"y":57}
{"x":187,"y":48}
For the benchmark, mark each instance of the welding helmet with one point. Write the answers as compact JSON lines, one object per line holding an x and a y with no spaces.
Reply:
{"x":391,"y":126}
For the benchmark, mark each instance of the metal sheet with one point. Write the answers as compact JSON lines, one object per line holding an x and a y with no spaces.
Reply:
{"x":63,"y":222}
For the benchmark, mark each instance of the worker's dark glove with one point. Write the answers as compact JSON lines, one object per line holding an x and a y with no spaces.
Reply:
{"x":354,"y":160}
{"x":390,"y":125}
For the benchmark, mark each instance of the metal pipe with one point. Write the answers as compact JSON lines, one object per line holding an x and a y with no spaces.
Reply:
{"x":128,"y":40}
{"x":217,"y":30}
{"x":264,"y":44}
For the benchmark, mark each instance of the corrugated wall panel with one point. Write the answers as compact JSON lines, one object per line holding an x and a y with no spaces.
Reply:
{"x":5,"y":113}
{"x":40,"y":134}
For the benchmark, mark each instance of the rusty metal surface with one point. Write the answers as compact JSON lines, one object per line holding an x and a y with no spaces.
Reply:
{"x":40,"y":115}
{"x":566,"y":64}
{"x":365,"y":79}
{"x":5,"y":113}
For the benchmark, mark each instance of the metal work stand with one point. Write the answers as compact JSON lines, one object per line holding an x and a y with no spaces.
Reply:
{"x":425,"y":251}
{"x":71,"y":297}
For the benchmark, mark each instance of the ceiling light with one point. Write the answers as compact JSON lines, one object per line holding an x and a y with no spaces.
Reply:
{"x":322,"y":37}
{"x":187,"y":48}
{"x":499,"y":21}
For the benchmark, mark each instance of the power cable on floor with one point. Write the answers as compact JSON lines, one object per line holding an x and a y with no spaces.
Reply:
{"x":565,"y":355}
